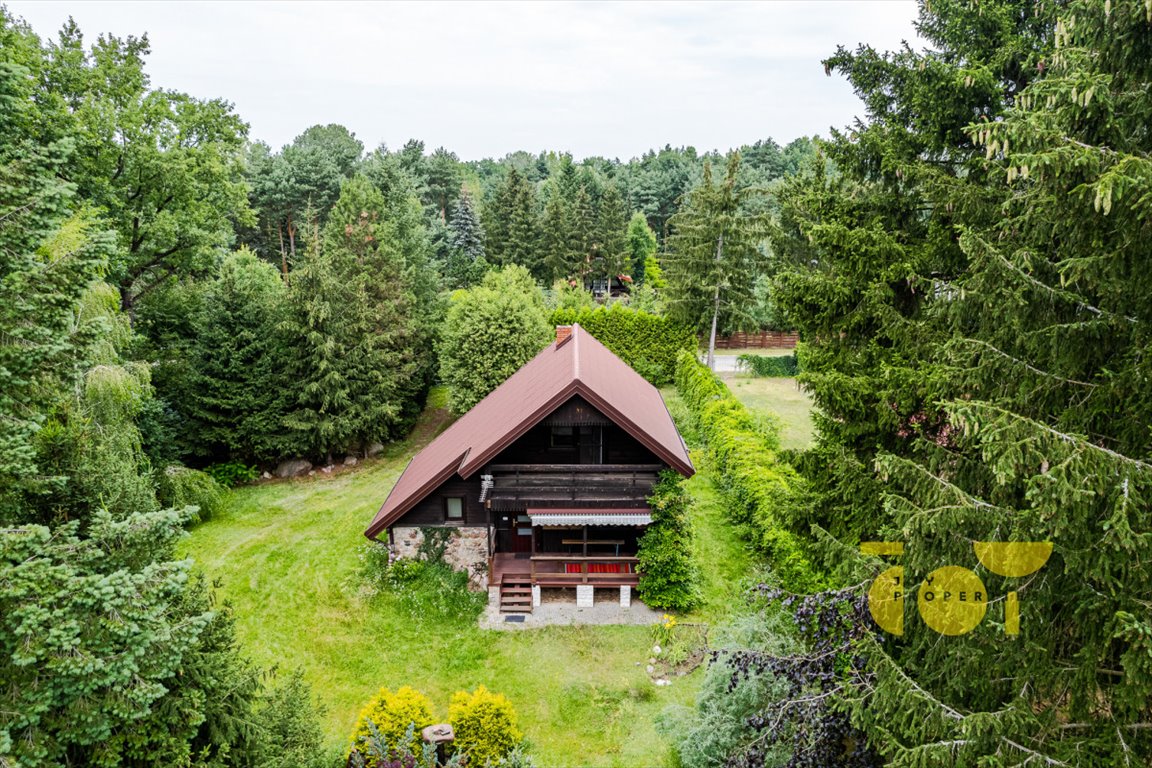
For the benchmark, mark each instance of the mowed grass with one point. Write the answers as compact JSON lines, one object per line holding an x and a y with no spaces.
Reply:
{"x":286,"y":557}
{"x":780,"y":396}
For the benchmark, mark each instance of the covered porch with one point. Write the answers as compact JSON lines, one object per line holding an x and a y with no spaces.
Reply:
{"x":565,"y":547}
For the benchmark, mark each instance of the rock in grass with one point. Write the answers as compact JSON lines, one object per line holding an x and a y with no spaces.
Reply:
{"x":293,"y":467}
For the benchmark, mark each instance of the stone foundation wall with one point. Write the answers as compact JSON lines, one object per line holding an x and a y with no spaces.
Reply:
{"x":467,"y":550}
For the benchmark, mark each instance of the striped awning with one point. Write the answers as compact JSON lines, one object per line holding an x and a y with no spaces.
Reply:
{"x":590,"y":516}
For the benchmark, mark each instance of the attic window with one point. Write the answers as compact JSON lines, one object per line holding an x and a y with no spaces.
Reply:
{"x":563,"y":437}
{"x":454,"y":509}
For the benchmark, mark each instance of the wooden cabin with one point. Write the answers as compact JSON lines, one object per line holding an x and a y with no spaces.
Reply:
{"x":545,"y":481}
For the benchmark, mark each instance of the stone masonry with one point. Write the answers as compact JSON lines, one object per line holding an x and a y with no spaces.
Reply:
{"x":467,"y":550}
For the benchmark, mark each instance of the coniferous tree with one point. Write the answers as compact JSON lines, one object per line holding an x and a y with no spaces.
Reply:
{"x":359,"y":366}
{"x":612,"y":257}
{"x":239,"y":393}
{"x":972,"y":288}
{"x":714,"y":253}
{"x":466,"y":263}
{"x":513,"y":234}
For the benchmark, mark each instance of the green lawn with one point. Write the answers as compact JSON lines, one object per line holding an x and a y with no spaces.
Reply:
{"x":286,"y":556}
{"x":780,"y":396}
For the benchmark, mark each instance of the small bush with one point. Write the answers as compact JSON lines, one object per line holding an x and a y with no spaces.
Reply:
{"x":485,"y":726}
{"x":762,"y":365}
{"x":180,"y":487}
{"x":397,"y":717}
{"x":289,"y":721}
{"x":668,"y":575}
{"x":232,"y":473}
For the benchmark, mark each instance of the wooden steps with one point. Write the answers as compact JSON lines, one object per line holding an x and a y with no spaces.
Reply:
{"x":515,"y":593}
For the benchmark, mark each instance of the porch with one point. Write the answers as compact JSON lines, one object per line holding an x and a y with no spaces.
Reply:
{"x":563,"y":570}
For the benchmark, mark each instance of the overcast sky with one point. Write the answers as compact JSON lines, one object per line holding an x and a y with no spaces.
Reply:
{"x":484,"y":79}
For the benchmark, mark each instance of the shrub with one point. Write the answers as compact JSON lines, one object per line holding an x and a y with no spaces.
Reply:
{"x":180,"y":487}
{"x":289,"y":723}
{"x":761,"y":490}
{"x":648,"y":343}
{"x":761,"y":365}
{"x":397,"y":717}
{"x":232,"y":473}
{"x":668,"y":576}
{"x":485,"y":725}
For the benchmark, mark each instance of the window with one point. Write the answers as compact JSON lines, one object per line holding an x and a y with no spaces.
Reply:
{"x":454,"y":509}
{"x":563,"y":437}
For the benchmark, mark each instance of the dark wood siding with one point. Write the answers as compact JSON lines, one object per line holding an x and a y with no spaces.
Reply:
{"x":535,"y":446}
{"x":430,"y":511}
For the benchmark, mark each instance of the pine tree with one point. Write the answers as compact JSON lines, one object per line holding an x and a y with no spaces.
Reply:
{"x":612,"y":257}
{"x":513,"y":233}
{"x":714,"y":251}
{"x":975,"y":298}
{"x":466,"y":263}
{"x":359,"y":365}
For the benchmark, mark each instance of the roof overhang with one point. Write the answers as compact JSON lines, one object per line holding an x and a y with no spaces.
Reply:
{"x":548,"y":517}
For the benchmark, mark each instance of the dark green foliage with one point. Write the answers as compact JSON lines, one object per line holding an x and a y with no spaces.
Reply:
{"x":770,"y":365}
{"x":641,"y":246}
{"x":230,"y":474}
{"x":289,"y":722}
{"x":490,"y":332}
{"x":669,"y":577}
{"x":360,"y":369}
{"x":91,"y":633}
{"x":714,"y":254}
{"x":164,"y":169}
{"x":237,"y":392}
{"x":611,"y":252}
{"x":648,"y":343}
{"x":513,"y":234}
{"x":973,"y":291}
{"x":466,"y":264}
{"x":761,"y":490}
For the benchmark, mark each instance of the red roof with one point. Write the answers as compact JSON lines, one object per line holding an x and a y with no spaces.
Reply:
{"x":577,"y":365}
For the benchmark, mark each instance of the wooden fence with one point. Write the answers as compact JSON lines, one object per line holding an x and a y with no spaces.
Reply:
{"x":757,"y":340}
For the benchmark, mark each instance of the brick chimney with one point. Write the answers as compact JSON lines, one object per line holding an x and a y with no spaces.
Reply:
{"x":563,"y":333}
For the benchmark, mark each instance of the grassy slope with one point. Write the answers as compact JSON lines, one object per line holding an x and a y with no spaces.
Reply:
{"x":286,"y":557}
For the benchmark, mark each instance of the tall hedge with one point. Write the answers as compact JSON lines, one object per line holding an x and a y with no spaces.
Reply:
{"x":759,"y":488}
{"x":669,"y":577}
{"x":648,"y":343}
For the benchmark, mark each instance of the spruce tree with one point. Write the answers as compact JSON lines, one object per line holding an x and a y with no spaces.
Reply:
{"x":359,"y":365}
{"x":973,"y":291}
{"x":612,"y":257}
{"x":466,"y":263}
{"x":714,"y":253}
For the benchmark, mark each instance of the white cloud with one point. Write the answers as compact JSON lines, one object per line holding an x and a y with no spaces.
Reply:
{"x":484,"y":79}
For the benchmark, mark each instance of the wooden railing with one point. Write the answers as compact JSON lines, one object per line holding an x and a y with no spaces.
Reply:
{"x":557,"y":484}
{"x":584,"y":576}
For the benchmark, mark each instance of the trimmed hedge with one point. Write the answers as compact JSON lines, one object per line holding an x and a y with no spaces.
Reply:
{"x":648,"y":343}
{"x":759,"y":488}
{"x":762,"y":365}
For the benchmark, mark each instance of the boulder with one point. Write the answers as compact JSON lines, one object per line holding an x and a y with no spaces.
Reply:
{"x":293,"y":467}
{"x":327,"y":470}
{"x":350,"y":461}
{"x":266,"y":475}
{"x":375,"y":449}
